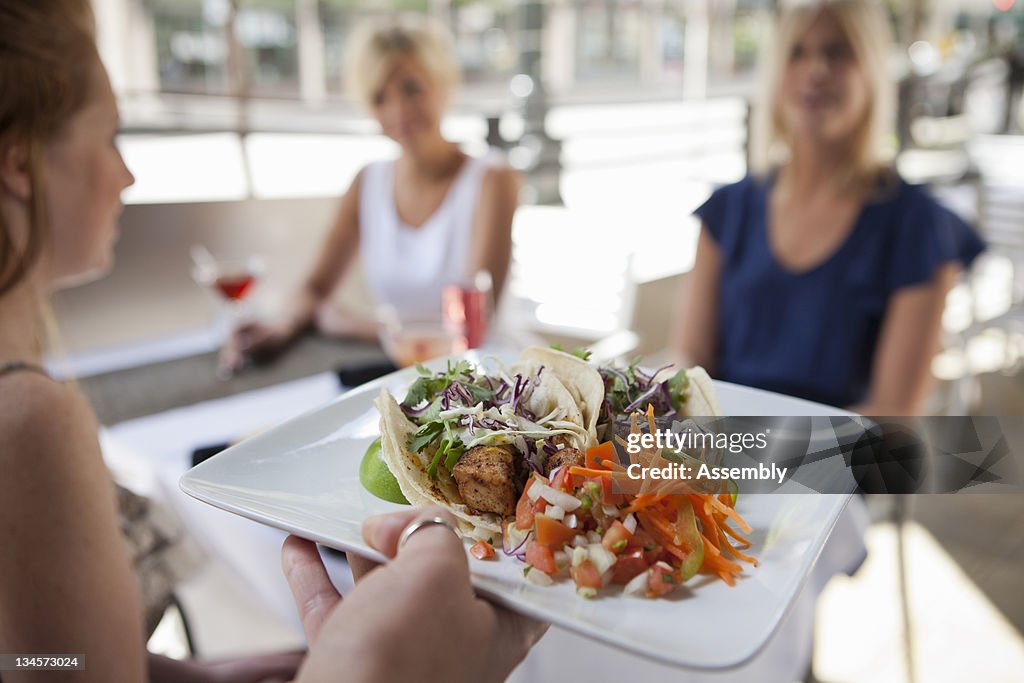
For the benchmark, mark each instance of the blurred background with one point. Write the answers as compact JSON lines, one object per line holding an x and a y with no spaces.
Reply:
{"x":622,"y":115}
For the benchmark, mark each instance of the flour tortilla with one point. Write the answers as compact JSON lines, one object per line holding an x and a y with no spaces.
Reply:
{"x":581,"y":379}
{"x":702,"y":399}
{"x":410,"y":470}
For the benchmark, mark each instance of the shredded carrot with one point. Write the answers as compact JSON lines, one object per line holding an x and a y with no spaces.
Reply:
{"x":658,"y":507}
{"x":720,"y":520}
{"x":644,"y":500}
{"x":676,"y":551}
{"x":730,"y":513}
{"x":737,"y":554}
{"x":587,"y":472}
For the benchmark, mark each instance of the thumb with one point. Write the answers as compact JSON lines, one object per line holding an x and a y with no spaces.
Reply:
{"x":314,"y":594}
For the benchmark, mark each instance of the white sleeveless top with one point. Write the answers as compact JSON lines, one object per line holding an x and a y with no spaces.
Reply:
{"x":407,"y":268}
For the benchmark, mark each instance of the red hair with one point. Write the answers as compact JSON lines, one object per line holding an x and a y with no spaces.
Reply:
{"x":47,"y":65}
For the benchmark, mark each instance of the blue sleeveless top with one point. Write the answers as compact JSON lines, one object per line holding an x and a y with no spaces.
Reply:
{"x":813,"y":333}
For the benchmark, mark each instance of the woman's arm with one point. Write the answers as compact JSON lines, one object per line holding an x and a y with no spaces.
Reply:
{"x":909,"y":339}
{"x":491,"y":246}
{"x":66,"y":584}
{"x":695,"y":327}
{"x":263,"y":340}
{"x":338,"y":251}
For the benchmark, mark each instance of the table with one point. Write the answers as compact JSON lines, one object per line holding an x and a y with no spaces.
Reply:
{"x":154,"y":451}
{"x":125,"y":394}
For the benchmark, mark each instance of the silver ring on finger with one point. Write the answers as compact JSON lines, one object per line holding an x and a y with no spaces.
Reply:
{"x":422,"y":524}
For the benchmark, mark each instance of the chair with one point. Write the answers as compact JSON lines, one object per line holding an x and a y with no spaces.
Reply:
{"x":1000,"y":203}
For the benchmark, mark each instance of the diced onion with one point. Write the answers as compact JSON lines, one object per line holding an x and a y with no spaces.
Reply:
{"x":561,"y":559}
{"x":555,"y":512}
{"x":610,"y":510}
{"x":637,"y":585}
{"x":538,"y":577}
{"x":593,"y":537}
{"x":579,"y":541}
{"x":554,"y":496}
{"x":571,"y":521}
{"x":586,"y":592}
{"x":630,"y":523}
{"x":578,"y":556}
{"x":602,"y":558}
{"x":513,"y":538}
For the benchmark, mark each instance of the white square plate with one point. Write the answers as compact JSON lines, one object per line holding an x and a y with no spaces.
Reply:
{"x":303,"y":477}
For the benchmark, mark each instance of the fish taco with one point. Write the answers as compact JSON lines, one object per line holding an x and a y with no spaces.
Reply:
{"x":468,"y":437}
{"x":607,"y":392}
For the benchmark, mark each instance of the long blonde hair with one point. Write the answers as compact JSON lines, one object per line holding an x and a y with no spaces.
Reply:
{"x":47,"y":59}
{"x":867,"y":29}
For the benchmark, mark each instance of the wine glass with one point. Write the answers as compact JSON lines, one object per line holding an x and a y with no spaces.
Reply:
{"x":231,"y":280}
{"x":466,"y":308}
{"x":410,"y":339}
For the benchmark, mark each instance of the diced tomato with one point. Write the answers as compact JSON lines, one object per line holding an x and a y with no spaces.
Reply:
{"x":525,"y":508}
{"x":661,"y":580}
{"x":540,"y":557}
{"x":668,"y":558}
{"x":596,"y":455}
{"x":482,"y":550}
{"x":608,"y":496}
{"x":628,"y":566}
{"x":585,"y":575}
{"x":563,"y":480}
{"x":616,"y":538}
{"x":640,"y":538}
{"x":524,"y":513}
{"x":654,"y":554}
{"x":551,"y":532}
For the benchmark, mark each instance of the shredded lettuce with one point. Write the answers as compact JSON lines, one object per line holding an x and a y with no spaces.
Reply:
{"x":463,"y":406}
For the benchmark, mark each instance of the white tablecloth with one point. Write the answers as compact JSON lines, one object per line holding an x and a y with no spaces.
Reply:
{"x":150,"y":454}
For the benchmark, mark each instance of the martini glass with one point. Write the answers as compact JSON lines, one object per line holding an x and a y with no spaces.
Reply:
{"x":232,"y":282}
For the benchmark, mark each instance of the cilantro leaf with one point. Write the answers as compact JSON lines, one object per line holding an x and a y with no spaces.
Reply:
{"x":679,"y":389}
{"x":479,"y":393}
{"x":425,"y":435}
{"x":433,"y":411}
{"x":453,"y":452}
{"x":432,"y":467}
{"x":582,"y":353}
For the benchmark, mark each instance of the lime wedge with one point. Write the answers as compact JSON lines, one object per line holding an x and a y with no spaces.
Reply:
{"x":377,"y":478}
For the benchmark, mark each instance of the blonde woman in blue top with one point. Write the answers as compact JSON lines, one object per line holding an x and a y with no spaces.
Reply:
{"x":823,"y":274}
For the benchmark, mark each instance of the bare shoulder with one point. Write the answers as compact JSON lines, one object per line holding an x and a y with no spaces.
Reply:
{"x":42,"y":419}
{"x":501,"y":179}
{"x":352,"y":193}
{"x":349,"y":205}
{"x":357,"y":179}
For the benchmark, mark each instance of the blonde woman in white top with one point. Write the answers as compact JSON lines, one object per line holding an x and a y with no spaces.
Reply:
{"x":430,"y":217}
